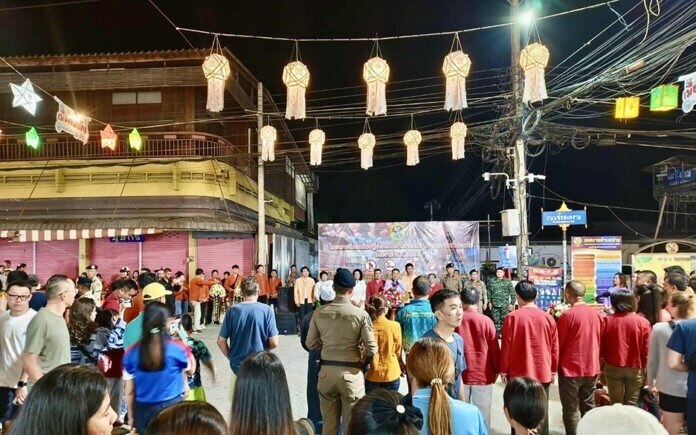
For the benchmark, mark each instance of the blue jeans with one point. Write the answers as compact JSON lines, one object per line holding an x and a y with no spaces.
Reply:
{"x":146,"y":412}
{"x":181,"y":308}
{"x":372,"y":386}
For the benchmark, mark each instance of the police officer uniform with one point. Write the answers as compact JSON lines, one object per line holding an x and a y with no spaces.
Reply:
{"x":338,"y":330}
{"x":95,"y":289}
{"x":452,"y":282}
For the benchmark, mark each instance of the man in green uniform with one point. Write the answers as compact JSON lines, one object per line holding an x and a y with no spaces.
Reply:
{"x":501,"y":298}
{"x":340,"y":330}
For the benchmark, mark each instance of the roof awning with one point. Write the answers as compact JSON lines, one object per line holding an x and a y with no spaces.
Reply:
{"x":74,"y":234}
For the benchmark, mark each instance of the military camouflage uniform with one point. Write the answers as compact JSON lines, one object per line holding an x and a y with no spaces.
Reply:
{"x":452,"y":283}
{"x":500,"y":295}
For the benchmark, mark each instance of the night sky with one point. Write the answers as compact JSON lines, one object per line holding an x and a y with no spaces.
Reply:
{"x":390,"y":190}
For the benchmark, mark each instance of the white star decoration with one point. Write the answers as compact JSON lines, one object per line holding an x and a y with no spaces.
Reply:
{"x":25,"y":96}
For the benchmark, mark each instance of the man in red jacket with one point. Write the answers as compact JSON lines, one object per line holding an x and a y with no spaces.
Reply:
{"x":530,"y":342}
{"x":482,"y":354}
{"x":375,"y":287}
{"x":579,"y":341}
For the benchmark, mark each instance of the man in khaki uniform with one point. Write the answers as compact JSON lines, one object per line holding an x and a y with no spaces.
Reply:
{"x":339,"y":330}
{"x":450,"y":281}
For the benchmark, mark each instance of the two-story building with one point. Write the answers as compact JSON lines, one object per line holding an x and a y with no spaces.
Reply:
{"x":187,"y":199}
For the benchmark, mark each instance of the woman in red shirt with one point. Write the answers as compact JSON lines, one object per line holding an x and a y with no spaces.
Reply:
{"x":625,"y":345}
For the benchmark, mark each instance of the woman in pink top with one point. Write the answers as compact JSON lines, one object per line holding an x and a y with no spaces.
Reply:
{"x":651,"y":299}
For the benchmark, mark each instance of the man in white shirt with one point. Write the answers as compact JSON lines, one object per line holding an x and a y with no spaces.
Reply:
{"x":13,"y":328}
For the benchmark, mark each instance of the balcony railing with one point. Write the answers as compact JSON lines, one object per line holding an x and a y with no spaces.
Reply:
{"x":155,"y":145}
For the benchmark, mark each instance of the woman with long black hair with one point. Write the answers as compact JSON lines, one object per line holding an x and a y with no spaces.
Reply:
{"x":155,"y":369}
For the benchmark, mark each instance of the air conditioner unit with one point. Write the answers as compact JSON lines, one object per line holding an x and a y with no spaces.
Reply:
{"x":511,"y":222}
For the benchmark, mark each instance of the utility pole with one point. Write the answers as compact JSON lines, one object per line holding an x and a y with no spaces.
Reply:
{"x":261,"y":235}
{"x":519,"y":153}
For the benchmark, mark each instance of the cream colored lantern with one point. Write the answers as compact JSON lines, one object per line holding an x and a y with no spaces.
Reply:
{"x":216,"y":69}
{"x":412,"y":139}
{"x":376,"y":74}
{"x":456,"y":68}
{"x":533,"y":59}
{"x":296,"y":78}
{"x":317,"y":138}
{"x":366,"y":143}
{"x":268,"y":135}
{"x":458,"y":135}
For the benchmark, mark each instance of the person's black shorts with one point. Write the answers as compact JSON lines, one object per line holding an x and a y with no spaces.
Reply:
{"x":7,"y":407}
{"x":672,"y":403}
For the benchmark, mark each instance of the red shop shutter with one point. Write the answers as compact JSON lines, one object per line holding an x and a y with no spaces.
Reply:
{"x":166,"y":250}
{"x":17,"y":253}
{"x":112,"y":256}
{"x":58,"y":256}
{"x":221,"y":254}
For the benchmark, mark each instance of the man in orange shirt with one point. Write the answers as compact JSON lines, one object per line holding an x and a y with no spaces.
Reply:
{"x":198,"y":294}
{"x":274,"y":286}
{"x":262,"y":279}
{"x":232,"y":283}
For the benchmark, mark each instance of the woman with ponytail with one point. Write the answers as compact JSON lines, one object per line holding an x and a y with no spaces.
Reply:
{"x":155,"y":369}
{"x":524,"y":402}
{"x":670,"y":384}
{"x":431,"y":369}
{"x":385,"y":370}
{"x":384,"y":412}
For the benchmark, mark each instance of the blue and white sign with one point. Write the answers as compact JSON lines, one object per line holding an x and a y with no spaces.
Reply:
{"x":128,"y":239}
{"x":573,"y":217}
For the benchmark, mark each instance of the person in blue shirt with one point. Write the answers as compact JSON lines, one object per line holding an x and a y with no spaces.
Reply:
{"x":448,"y":308}
{"x":154,"y":369}
{"x":682,"y":357}
{"x":431,"y":368}
{"x":417,"y":317}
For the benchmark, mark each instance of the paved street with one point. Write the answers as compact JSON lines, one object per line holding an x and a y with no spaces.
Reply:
{"x":295,"y":361}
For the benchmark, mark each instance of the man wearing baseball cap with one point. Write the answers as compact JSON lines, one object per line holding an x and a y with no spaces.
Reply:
{"x":339,"y":329}
{"x":153,"y":292}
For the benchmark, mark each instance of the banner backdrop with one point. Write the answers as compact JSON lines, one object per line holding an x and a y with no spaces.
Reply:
{"x":388,"y":245}
{"x":657,"y":262}
{"x":595,"y":260}
{"x":548,"y":282}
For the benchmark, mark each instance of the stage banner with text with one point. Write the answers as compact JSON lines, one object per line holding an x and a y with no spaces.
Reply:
{"x":595,"y":260}
{"x":549,"y":283}
{"x":388,"y":245}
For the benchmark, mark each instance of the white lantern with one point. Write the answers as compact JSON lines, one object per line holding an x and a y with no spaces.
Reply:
{"x":533,"y":60}
{"x":376,"y":74}
{"x":316,"y":142}
{"x":296,"y":78}
{"x":456,"y":68}
{"x":216,"y":69}
{"x":458,"y":135}
{"x":412,"y":139}
{"x":366,"y":143}
{"x":268,"y":135}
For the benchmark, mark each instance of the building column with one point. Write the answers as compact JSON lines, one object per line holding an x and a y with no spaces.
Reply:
{"x":192,"y":253}
{"x":84,"y":254}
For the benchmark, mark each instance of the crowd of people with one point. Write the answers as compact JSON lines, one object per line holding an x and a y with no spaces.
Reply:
{"x":87,"y":355}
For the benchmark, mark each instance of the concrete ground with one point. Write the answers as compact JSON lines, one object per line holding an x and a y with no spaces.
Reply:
{"x":294,"y":359}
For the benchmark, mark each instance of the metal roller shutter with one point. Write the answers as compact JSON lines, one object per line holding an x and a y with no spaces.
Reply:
{"x":221,"y":254}
{"x":17,"y":253}
{"x":58,"y":256}
{"x":166,"y":250}
{"x":112,"y":256}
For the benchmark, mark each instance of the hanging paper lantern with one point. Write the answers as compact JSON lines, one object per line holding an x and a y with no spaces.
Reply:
{"x":627,"y":107}
{"x":108,"y":138}
{"x":689,"y":92}
{"x":412,"y":139}
{"x":533,"y":60}
{"x":458,"y":135}
{"x":134,"y":140}
{"x":268,"y":136}
{"x":32,"y":138}
{"x":296,"y":78}
{"x":25,"y":96}
{"x":664,"y":98}
{"x":366,"y":143}
{"x":376,"y":74}
{"x":316,"y":142}
{"x":456,"y":68}
{"x":216,"y":69}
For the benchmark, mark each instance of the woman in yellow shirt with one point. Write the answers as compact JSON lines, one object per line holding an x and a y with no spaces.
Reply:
{"x":385,"y":371}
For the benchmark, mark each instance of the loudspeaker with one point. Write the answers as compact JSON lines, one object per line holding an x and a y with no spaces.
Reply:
{"x":286,"y":300}
{"x":286,"y":323}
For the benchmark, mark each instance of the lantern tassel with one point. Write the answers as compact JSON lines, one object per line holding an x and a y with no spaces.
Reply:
{"x":534,"y":85}
{"x":366,"y":142}
{"x":455,"y":93}
{"x":216,"y":95}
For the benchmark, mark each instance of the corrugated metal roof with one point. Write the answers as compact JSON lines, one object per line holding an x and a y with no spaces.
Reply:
{"x":165,"y":224}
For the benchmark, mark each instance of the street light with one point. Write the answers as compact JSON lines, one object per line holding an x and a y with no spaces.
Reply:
{"x":526,"y":18}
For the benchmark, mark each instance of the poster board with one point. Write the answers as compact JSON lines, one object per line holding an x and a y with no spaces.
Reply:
{"x":594,"y":261}
{"x":388,"y":245}
{"x":657,"y":262}
{"x":549,"y":284}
